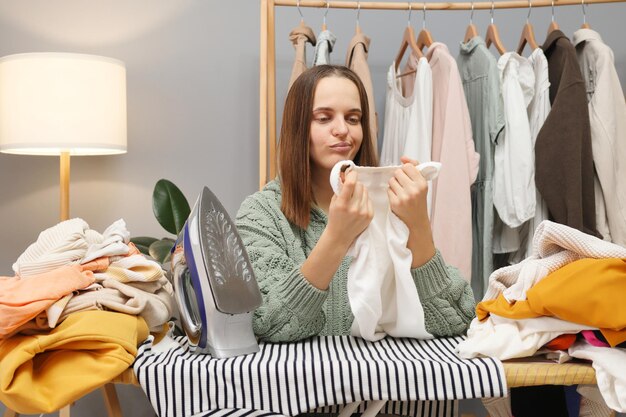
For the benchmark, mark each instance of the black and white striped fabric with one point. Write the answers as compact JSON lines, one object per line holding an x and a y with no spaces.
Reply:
{"x":418,"y":377}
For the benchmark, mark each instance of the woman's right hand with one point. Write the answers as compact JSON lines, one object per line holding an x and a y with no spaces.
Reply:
{"x":350,"y":211}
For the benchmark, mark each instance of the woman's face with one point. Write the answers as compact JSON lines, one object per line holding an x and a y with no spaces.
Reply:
{"x":336,"y":132}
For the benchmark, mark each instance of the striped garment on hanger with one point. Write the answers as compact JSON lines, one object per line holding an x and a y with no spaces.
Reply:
{"x":319,"y":374}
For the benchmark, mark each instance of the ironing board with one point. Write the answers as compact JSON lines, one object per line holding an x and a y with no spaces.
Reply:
{"x":396,"y":376}
{"x":520,"y":373}
{"x":162,"y":375}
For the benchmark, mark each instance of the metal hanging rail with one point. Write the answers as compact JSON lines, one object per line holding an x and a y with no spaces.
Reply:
{"x":267,"y":69}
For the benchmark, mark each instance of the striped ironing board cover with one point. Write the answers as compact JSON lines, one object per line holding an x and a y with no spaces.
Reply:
{"x":418,"y":377}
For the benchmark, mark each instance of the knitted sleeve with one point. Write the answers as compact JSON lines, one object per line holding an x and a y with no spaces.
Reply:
{"x":446,"y":297}
{"x":292,"y":307}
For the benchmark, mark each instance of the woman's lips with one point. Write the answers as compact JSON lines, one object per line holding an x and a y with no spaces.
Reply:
{"x":341,"y":147}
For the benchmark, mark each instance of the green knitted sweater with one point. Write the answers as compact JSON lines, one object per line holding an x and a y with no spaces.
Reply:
{"x":293,"y":309}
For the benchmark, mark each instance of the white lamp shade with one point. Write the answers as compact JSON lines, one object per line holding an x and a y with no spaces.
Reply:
{"x":61,"y":102}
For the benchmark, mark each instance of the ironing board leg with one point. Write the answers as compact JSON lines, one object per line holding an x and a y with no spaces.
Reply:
{"x":111,"y":401}
{"x":373,"y":408}
{"x":10,"y":413}
{"x":349,"y":409}
{"x":65,"y":411}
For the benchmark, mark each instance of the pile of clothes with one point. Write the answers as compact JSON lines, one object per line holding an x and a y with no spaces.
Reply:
{"x":74,"y":313}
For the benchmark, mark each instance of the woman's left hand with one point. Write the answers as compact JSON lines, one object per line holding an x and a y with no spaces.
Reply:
{"x":407,"y":194}
{"x":408,"y":191}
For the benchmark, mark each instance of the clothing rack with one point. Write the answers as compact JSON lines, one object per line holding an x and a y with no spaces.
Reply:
{"x":267,"y":69}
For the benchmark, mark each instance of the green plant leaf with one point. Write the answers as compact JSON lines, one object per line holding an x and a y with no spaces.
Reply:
{"x":170,"y":206}
{"x":160,"y":250}
{"x":143,"y":243}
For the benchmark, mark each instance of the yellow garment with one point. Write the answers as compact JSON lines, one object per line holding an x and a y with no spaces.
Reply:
{"x":44,"y":372}
{"x":587,"y":291}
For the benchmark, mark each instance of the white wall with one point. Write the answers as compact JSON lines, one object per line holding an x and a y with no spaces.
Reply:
{"x":192,"y":75}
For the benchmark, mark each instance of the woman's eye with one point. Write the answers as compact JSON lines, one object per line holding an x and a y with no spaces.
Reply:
{"x":354,"y":120}
{"x":322,"y":119}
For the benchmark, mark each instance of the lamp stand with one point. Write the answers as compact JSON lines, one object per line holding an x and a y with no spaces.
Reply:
{"x":65,"y":185}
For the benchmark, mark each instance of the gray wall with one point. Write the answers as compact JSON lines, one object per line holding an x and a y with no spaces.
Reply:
{"x":192,"y":74}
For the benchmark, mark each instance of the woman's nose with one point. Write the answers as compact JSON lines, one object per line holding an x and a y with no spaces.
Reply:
{"x":340,"y":127}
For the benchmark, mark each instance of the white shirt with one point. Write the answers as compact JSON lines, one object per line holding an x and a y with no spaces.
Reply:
{"x":514,"y":163}
{"x":607,"y":116}
{"x":538,"y":110}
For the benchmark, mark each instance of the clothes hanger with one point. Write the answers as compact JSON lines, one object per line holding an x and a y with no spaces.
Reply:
{"x":408,"y":40}
{"x":553,"y":25}
{"x":302,"y":24}
{"x":471,"y":31}
{"x":528,"y":35}
{"x":358,"y":14}
{"x":424,"y":38}
{"x":585,"y":25}
{"x":325,"y":13}
{"x":493,"y":37}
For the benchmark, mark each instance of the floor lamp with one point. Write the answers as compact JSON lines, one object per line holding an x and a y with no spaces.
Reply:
{"x":62,"y":104}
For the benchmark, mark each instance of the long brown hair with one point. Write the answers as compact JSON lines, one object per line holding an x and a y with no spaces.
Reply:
{"x":294,"y":166}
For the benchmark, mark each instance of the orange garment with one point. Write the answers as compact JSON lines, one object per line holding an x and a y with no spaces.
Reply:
{"x":21,"y":299}
{"x":587,"y":291}
{"x":562,"y":342}
{"x":44,"y":372}
{"x":98,"y":264}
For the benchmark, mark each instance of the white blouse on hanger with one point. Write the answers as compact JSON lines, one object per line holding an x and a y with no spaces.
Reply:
{"x":538,"y":111}
{"x":409,"y":120}
{"x":514,"y":192}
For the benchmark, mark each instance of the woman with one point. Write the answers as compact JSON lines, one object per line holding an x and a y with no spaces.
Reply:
{"x":297,"y":232}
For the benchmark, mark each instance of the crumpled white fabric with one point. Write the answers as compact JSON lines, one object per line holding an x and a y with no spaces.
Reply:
{"x":55,"y":247}
{"x":504,"y":338}
{"x":151,"y":300}
{"x":554,"y":245}
{"x":381,"y":290}
{"x":610,"y":366}
{"x":113,"y":241}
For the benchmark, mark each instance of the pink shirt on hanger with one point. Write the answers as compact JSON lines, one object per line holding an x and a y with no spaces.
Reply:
{"x":453,"y":146}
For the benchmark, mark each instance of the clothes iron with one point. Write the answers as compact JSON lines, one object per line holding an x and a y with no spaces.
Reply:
{"x":215,"y":287}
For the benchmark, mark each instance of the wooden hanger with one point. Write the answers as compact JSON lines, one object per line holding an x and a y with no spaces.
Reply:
{"x":493,"y":37}
{"x":408,"y":40}
{"x":553,"y":25}
{"x":358,"y":14}
{"x":471,"y":31}
{"x":528,"y":35}
{"x":302,"y":24}
{"x":585,"y":25}
{"x":325,"y":13}
{"x":424,"y":38}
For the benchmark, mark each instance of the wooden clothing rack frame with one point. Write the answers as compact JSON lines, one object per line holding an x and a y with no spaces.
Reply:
{"x":267,"y":68}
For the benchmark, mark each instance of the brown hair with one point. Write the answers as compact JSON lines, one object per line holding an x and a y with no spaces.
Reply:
{"x":294,"y":166}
